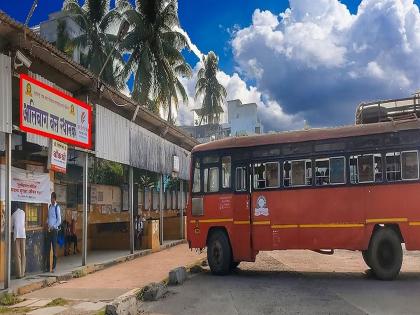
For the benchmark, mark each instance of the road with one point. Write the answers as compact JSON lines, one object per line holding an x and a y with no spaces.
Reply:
{"x":297,"y":282}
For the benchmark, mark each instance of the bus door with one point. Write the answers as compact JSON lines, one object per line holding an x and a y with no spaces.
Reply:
{"x":241,"y":238}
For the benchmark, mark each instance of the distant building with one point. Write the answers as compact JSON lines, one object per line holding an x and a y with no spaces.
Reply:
{"x":48,"y":30}
{"x":242,"y":120}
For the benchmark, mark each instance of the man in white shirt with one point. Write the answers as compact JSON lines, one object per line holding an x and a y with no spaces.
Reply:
{"x":19,"y":236}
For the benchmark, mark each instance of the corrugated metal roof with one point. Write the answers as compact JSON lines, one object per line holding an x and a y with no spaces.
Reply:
{"x":5,"y":94}
{"x":112,"y":136}
{"x":309,"y":135}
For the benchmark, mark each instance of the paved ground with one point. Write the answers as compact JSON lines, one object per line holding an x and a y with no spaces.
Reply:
{"x":114,"y":281}
{"x":297,"y":282}
{"x":89,"y":294}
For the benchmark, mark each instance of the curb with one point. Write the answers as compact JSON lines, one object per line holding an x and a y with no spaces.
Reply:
{"x":128,"y":304}
{"x":47,"y":280}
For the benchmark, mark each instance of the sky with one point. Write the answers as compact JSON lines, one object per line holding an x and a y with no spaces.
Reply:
{"x":301,"y":61}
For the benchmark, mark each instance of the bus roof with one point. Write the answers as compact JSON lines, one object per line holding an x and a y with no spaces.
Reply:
{"x":309,"y":135}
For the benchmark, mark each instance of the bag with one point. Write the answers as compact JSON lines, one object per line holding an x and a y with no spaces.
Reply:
{"x":57,"y":215}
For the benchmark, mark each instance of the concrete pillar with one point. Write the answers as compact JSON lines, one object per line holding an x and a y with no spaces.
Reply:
{"x":131,"y":206}
{"x":85,"y":209}
{"x":181,"y":209}
{"x":161,"y":209}
{"x":8,"y":212}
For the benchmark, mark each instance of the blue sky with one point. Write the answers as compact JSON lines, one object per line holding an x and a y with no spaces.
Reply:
{"x":299,"y":60}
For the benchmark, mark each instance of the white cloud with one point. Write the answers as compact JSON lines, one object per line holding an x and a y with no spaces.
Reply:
{"x":191,"y":45}
{"x":319,"y":61}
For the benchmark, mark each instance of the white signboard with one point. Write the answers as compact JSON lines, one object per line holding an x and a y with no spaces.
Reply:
{"x":50,"y":113}
{"x":57,"y":157}
{"x":27,"y":186}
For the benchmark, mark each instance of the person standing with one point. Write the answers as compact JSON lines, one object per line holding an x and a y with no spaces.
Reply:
{"x":19,"y":236}
{"x":53,"y":225}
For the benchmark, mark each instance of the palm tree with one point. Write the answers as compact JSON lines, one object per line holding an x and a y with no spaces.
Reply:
{"x":214,"y":93}
{"x":156,"y":60}
{"x":97,"y":40}
{"x":63,"y":41}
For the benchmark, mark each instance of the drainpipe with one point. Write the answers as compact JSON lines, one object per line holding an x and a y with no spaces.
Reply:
{"x":85,"y":208}
{"x":181,"y":209}
{"x":8,"y":212}
{"x":131,"y":206}
{"x":160,"y":209}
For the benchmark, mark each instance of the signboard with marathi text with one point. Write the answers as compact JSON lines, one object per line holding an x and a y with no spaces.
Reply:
{"x":51,"y":113}
{"x":27,"y":186}
{"x":57,"y":157}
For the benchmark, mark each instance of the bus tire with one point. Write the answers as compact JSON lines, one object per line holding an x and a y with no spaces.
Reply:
{"x":234,"y":264}
{"x":366,"y":258}
{"x":219,"y":253}
{"x":385,"y":254}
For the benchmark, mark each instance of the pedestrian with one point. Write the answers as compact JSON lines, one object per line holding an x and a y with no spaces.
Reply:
{"x":70,"y":235}
{"x":139,"y":226}
{"x":19,"y":237}
{"x":53,"y":225}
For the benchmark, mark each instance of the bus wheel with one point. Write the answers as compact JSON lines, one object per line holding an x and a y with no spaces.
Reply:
{"x":385,"y":254}
{"x":366,"y":258}
{"x":219,"y":253}
{"x":234,"y":264}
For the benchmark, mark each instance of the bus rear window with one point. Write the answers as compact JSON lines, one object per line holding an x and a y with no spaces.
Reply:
{"x":211,"y":179}
{"x":226,"y":171}
{"x":196,"y":179}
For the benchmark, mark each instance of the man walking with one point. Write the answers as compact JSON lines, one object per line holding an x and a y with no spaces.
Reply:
{"x":53,"y":224}
{"x":19,"y":236}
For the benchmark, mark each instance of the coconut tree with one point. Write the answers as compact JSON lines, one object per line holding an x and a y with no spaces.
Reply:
{"x":63,"y":41}
{"x":98,"y":24}
{"x":212,"y":91}
{"x":156,"y":62}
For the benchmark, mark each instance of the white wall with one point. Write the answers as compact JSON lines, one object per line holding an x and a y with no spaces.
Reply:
{"x":243,"y":118}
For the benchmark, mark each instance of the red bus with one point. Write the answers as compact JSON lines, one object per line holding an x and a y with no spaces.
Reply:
{"x":354,"y":188}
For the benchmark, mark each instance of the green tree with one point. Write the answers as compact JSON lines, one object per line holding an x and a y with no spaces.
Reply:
{"x":63,"y":41}
{"x":212,"y":91}
{"x":156,"y":61}
{"x":98,"y":24}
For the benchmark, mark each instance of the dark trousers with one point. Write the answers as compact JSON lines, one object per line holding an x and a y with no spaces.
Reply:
{"x":52,"y":241}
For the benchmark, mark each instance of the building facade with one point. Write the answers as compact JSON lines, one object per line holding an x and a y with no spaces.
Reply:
{"x":241,"y":120}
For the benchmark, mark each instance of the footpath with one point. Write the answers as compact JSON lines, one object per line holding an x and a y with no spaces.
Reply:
{"x":90,"y":294}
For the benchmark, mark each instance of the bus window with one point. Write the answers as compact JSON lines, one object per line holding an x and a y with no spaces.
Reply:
{"x":210,"y":159}
{"x":410,"y":165}
{"x":322,"y":172}
{"x":211,"y":179}
{"x":266,"y":175}
{"x":337,"y":170}
{"x":362,"y":168}
{"x":196,"y":179}
{"x":297,"y":173}
{"x":272,"y":173}
{"x":240,"y":179}
{"x":259,"y":176}
{"x":226,"y":171}
{"x":377,"y":164}
{"x":286,"y":174}
{"x":393,"y":166}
